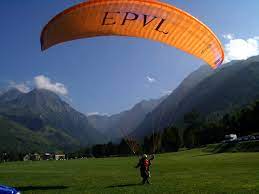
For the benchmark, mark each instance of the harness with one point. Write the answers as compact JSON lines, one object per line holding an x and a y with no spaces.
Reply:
{"x":146,"y":164}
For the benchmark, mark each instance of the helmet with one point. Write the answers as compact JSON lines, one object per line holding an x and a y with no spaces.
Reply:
{"x":144,"y":155}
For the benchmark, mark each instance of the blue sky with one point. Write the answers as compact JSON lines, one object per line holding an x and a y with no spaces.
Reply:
{"x":85,"y":70}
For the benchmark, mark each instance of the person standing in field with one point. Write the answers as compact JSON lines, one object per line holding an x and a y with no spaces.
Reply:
{"x":144,"y":164}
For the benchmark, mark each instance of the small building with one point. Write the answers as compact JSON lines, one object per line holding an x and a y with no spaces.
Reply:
{"x":60,"y":156}
{"x":47,"y":156}
{"x":35,"y":157}
{"x":27,"y":157}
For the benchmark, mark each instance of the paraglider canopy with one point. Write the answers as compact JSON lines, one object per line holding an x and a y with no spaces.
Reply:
{"x":149,"y":19}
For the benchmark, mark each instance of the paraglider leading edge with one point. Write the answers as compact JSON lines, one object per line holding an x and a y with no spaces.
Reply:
{"x":141,"y":18}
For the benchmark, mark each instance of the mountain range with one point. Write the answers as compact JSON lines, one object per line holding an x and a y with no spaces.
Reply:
{"x":43,"y":114}
{"x":40,"y":120}
{"x":117,"y":125}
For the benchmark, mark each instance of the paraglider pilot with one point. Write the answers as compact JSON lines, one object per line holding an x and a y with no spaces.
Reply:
{"x":144,"y":164}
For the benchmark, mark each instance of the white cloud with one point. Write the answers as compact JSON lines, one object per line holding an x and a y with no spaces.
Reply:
{"x":96,"y":113}
{"x":43,"y":82}
{"x":228,"y":36}
{"x":240,"y":49}
{"x":151,"y":79}
{"x":22,"y":87}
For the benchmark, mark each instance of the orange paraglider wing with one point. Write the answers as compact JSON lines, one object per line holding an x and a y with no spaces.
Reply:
{"x":149,"y":19}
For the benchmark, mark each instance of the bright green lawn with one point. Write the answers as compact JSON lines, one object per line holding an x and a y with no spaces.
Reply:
{"x":183,"y":172}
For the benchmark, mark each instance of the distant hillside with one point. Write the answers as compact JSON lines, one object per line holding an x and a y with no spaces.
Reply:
{"x":15,"y":137}
{"x":9,"y":95}
{"x":231,"y":87}
{"x":126,"y":120}
{"x":207,"y":91}
{"x":157,"y":119}
{"x":46,"y":115}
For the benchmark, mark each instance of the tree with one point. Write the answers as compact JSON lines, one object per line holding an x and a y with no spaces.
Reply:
{"x":193,"y":123}
{"x":124,"y":148}
{"x":170,"y":140}
{"x":99,"y":150}
{"x":111,"y":149}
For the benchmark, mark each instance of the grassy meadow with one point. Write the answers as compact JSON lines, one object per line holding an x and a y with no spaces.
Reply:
{"x":192,"y":171}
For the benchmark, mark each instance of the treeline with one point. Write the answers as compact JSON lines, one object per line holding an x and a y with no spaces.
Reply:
{"x":11,"y":156}
{"x":168,"y":141}
{"x":103,"y":150}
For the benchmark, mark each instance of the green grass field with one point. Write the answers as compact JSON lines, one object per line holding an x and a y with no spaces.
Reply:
{"x":191,"y":171}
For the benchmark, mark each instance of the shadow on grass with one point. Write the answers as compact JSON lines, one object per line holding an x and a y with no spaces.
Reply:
{"x":124,"y":185}
{"x":43,"y":188}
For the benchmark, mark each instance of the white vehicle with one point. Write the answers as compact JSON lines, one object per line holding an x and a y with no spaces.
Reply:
{"x":231,"y":137}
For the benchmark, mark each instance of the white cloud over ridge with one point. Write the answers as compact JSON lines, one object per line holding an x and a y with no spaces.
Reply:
{"x":167,"y":92}
{"x":240,"y":49}
{"x":43,"y":82}
{"x":22,"y":87}
{"x":93,"y":113}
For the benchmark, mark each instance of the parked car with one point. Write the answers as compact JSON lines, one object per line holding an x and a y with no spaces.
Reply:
{"x":8,"y":190}
{"x":251,"y":137}
{"x":248,"y":138}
